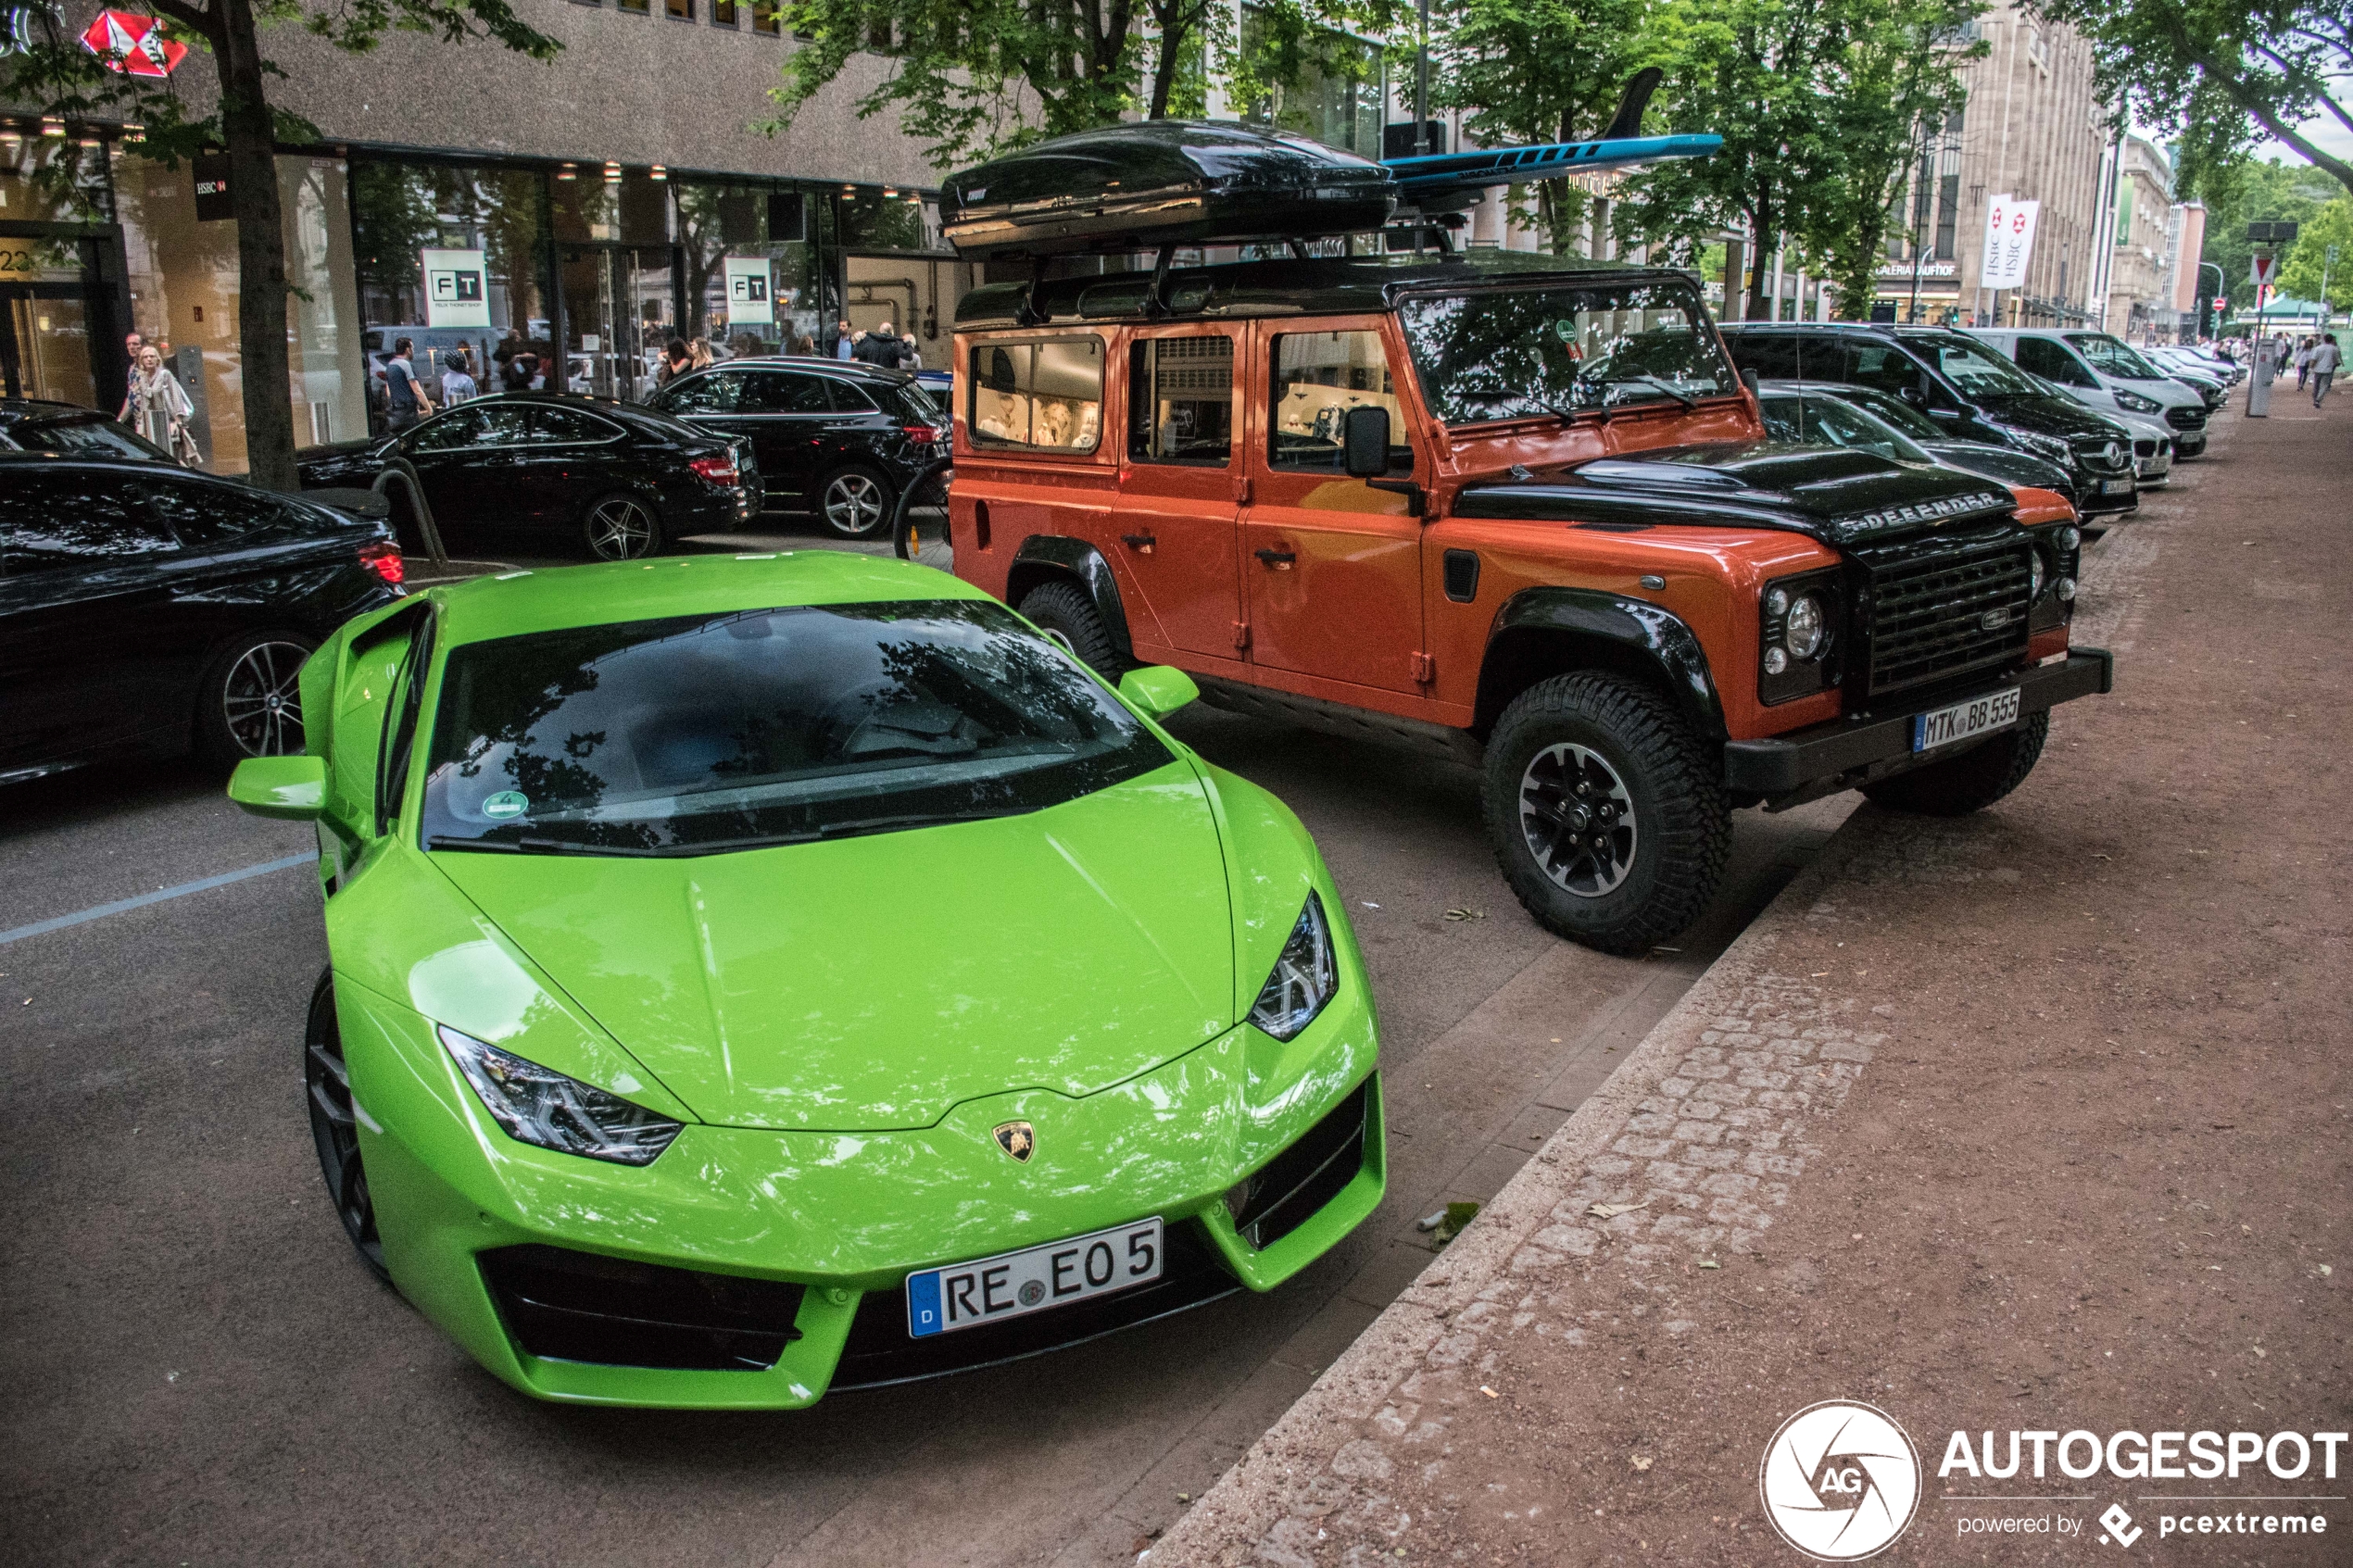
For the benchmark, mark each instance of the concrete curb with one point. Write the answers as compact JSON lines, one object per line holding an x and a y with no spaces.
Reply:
{"x":1317,"y":1459}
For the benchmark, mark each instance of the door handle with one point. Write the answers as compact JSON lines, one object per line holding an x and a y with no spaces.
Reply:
{"x":1280,"y":560}
{"x":1141,"y":544}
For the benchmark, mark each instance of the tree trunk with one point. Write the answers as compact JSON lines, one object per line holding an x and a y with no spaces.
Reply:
{"x":249,"y":133}
{"x":1760,"y":241}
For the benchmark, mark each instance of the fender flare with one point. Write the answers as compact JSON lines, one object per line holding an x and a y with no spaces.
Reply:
{"x":1640,"y":636}
{"x":1043,"y":557}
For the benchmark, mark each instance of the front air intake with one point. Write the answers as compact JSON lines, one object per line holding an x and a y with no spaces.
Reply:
{"x":569,"y":1305}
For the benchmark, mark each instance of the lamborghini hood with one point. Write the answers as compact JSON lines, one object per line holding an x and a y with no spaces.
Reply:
{"x":866,"y":983}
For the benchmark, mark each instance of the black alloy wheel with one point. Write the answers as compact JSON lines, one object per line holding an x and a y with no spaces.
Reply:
{"x":855,"y":502}
{"x":334,"y":1126}
{"x":250,"y":702}
{"x":621,"y":528}
{"x":1606,"y":811}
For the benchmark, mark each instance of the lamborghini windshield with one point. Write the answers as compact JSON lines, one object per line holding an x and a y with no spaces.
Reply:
{"x":1509,"y":354}
{"x":697,"y":734}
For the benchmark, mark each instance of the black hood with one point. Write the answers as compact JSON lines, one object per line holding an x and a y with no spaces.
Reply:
{"x":2003,"y":463}
{"x":2062,"y":417}
{"x":1840,"y":496}
{"x":339,"y":463}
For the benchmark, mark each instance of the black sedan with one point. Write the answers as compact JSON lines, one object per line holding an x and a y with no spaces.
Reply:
{"x":834,"y":436}
{"x":34,"y":424}
{"x":1834,"y":414}
{"x":143,"y":608}
{"x":622,"y":478}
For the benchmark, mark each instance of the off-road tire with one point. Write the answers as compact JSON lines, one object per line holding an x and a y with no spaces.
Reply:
{"x":1065,"y":613}
{"x":1681,"y":812}
{"x":1970,"y":782}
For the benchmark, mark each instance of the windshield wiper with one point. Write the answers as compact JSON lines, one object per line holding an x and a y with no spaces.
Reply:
{"x":850,"y":827}
{"x":1688,"y":401}
{"x":535,"y":846}
{"x":1504,"y":395}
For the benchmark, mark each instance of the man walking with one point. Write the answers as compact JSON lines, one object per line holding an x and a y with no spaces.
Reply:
{"x":880,"y":348}
{"x":2325,"y":360}
{"x":407,"y":400}
{"x":843,"y":341}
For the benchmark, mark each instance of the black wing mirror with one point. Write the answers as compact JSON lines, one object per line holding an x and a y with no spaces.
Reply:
{"x":1364,"y":443}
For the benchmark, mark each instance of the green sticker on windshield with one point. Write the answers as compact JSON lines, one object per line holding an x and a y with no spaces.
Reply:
{"x":507,"y":803}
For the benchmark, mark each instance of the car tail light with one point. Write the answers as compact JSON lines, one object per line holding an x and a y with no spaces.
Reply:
{"x":924,"y":434}
{"x":719,"y":470}
{"x":383,"y":557}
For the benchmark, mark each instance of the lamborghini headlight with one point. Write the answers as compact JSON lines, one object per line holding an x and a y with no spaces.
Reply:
{"x":1306,"y":976}
{"x":538,"y":1104}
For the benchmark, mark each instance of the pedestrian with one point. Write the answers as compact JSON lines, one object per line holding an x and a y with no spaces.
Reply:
{"x":675,"y":362}
{"x":2303,"y":360}
{"x":132,"y":344}
{"x":802,"y":344}
{"x":407,"y":400}
{"x":880,"y":347}
{"x":2325,"y":360}
{"x":520,"y":369}
{"x":458,"y":383}
{"x":699,"y":354}
{"x":911,"y":357}
{"x":159,"y":407}
{"x":843,"y":340}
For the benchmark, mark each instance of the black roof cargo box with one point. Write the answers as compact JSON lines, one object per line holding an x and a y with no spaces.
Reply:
{"x":1161,"y":183}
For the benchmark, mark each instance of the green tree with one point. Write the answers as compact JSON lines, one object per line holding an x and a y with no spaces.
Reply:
{"x":1546,"y":70}
{"x":975,"y":78}
{"x":1816,"y":101}
{"x":2271,"y":191}
{"x":74,"y":84}
{"x":2308,"y":262}
{"x":2220,"y":73}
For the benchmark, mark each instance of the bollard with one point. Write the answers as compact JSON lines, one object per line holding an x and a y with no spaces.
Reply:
{"x":2259,"y":381}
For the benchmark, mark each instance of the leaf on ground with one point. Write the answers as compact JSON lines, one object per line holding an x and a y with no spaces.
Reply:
{"x":1642,"y":1461}
{"x":1612,"y":1211}
{"x":1709,"y":1264}
{"x":1467,"y":914}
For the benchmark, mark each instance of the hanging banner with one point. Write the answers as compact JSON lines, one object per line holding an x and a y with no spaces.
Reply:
{"x":457,"y":288}
{"x":2009,"y":241}
{"x":749,"y":303}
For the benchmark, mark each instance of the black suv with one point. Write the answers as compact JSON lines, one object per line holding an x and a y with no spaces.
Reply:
{"x":1969,"y":390}
{"x":837,"y":437}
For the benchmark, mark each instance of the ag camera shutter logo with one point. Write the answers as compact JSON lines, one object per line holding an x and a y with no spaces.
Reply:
{"x":1840,"y":1481}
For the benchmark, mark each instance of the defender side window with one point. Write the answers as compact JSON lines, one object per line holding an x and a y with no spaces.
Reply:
{"x":1180,"y":400}
{"x":1045,"y":396}
{"x":1320,"y":376}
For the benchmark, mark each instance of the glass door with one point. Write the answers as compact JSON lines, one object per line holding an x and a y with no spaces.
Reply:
{"x":45,"y":344}
{"x":620,"y":305}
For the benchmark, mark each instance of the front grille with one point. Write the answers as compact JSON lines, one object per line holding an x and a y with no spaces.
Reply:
{"x":2145,"y":448}
{"x":2186,"y":418}
{"x":1943,"y":606}
{"x":881,"y":1351}
{"x":1309,"y":1174}
{"x":570,"y":1306}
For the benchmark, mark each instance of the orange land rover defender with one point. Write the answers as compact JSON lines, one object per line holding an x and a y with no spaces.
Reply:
{"x":1510,"y":509}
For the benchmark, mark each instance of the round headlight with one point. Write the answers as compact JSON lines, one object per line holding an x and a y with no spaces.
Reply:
{"x":2068,"y":538}
{"x":1805,"y":626}
{"x":2034,"y":576}
{"x":1776,"y":602}
{"x":1776,"y":659}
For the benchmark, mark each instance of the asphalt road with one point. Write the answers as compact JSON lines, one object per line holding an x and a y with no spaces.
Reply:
{"x":199,"y":1372}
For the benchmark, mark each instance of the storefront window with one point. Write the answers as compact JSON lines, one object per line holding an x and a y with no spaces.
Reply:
{"x":750,"y":268}
{"x":184,"y":299}
{"x":487,"y":221}
{"x":49,"y":179}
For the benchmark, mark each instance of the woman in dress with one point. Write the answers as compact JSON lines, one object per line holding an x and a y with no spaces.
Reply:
{"x":159,"y":408}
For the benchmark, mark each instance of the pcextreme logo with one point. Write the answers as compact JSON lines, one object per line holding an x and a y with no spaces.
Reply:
{"x":1840,"y":1481}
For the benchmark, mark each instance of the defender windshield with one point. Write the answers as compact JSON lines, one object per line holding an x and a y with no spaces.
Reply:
{"x":1510,"y":353}
{"x":698,"y":734}
{"x":1975,"y":369}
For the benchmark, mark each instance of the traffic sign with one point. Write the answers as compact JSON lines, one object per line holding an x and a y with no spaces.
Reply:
{"x":2263,"y":270}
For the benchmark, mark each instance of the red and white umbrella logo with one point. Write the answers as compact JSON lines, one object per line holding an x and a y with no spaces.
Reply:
{"x":132,"y":45}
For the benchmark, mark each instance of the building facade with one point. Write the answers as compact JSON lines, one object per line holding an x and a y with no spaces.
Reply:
{"x":2033,"y":129}
{"x":586,"y":208}
{"x":2146,"y":240}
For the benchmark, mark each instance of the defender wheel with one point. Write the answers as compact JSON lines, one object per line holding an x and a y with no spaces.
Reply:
{"x":1068,"y":616}
{"x":334,"y":1126}
{"x":1606,"y":813}
{"x":1970,"y":782}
